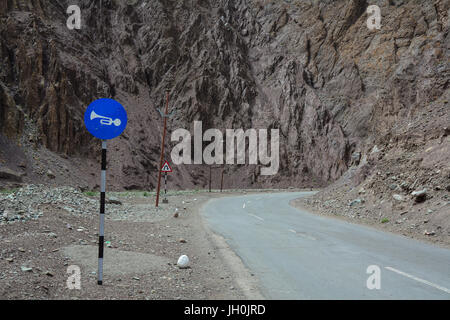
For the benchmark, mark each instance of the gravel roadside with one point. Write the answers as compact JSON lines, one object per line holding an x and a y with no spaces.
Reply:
{"x":143,"y":245}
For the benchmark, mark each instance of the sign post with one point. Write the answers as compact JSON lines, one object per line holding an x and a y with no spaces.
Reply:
{"x":166,"y":168}
{"x":165,"y":116}
{"x":165,"y":188}
{"x":104,"y":119}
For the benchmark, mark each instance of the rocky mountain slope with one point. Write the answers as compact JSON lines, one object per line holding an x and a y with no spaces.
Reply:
{"x":343,"y":96}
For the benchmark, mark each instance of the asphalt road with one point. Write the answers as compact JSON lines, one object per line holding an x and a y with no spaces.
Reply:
{"x":299,"y":255}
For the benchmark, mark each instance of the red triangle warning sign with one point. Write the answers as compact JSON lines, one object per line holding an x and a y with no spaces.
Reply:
{"x":166,"y":167}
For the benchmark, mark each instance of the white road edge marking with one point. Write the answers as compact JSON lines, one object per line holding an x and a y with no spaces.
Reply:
{"x":292,"y":231}
{"x":256,"y":217}
{"x":418,"y":279}
{"x":243,"y":207}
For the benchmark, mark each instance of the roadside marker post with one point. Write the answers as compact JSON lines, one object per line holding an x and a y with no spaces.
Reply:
{"x":209,"y":178}
{"x":166,"y":168}
{"x":104,"y":119}
{"x":221,"y":180}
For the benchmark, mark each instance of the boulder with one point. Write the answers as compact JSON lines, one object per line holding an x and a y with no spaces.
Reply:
{"x":113,"y":200}
{"x":11,"y":175}
{"x":420,"y":195}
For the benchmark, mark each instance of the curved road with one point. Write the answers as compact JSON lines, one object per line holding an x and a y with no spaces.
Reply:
{"x":298,"y":255}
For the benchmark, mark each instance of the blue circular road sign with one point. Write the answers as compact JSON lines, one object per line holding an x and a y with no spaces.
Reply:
{"x":105,"y":118}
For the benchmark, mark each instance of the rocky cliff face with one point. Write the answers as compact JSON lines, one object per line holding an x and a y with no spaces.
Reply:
{"x":311,"y":69}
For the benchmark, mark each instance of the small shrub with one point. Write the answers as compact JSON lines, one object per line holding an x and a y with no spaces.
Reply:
{"x":8,"y":191}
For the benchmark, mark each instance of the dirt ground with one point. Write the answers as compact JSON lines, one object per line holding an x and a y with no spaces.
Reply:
{"x":144,"y":245}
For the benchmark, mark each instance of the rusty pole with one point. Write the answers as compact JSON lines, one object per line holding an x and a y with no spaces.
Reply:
{"x":162,"y":147}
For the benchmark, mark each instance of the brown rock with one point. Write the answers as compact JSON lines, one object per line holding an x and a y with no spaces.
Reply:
{"x":313,"y":70}
{"x":10,"y":175}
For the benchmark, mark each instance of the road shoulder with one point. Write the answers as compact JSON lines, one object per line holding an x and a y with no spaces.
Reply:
{"x":304,"y":203}
{"x":243,"y":277}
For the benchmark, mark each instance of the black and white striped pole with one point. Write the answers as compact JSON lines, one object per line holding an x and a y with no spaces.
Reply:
{"x":104,"y":119}
{"x":101,"y":232}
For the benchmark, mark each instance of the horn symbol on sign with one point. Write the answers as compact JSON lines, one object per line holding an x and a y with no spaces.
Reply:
{"x":105,"y":120}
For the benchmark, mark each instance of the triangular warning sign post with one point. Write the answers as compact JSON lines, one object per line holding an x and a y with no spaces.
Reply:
{"x":166,"y":167}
